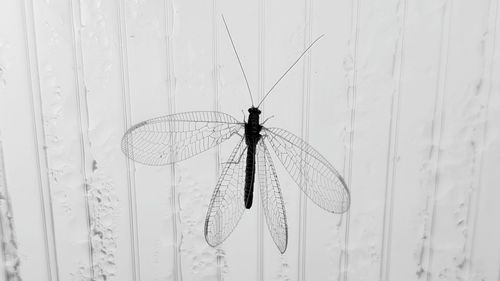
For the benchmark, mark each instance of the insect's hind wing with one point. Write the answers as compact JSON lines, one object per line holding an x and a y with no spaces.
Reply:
{"x":227,"y":203}
{"x":272,"y":200}
{"x":173,"y":138}
{"x":317,"y":178}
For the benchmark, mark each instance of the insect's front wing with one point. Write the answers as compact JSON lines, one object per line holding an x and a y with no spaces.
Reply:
{"x":310,"y":170}
{"x":173,"y":138}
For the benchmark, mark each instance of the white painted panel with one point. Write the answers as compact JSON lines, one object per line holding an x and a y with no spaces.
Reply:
{"x":23,"y":146}
{"x":401,"y":96}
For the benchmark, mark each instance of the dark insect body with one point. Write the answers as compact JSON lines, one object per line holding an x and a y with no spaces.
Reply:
{"x":176,"y":137}
{"x":252,"y":137}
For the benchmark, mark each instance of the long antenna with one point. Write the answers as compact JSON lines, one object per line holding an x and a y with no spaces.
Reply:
{"x":284,"y":74}
{"x":238,"y":57}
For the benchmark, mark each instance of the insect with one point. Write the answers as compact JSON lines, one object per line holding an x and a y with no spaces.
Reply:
{"x":172,"y":138}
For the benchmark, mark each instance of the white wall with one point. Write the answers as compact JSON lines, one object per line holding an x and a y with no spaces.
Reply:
{"x":402,"y":96}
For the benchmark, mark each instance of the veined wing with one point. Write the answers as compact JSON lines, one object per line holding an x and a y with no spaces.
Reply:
{"x":227,"y":203}
{"x":172,"y":138}
{"x":272,"y":201}
{"x":311,"y":171}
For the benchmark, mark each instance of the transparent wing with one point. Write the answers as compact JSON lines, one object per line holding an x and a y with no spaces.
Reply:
{"x":172,"y":138}
{"x":272,"y":201}
{"x":227,"y":203}
{"x":311,"y":171}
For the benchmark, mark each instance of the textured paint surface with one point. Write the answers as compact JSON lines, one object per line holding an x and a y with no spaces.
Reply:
{"x":10,"y":258}
{"x":402,"y":96}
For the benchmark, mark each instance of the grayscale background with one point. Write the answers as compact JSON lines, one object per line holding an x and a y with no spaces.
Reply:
{"x":401,"y":96}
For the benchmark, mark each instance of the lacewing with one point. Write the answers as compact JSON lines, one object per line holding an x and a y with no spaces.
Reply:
{"x":173,"y":138}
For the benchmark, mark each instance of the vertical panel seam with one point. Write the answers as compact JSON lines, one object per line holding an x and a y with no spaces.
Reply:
{"x":437,"y":129}
{"x":261,"y":77}
{"x":43,"y":180}
{"x":169,"y":26}
{"x":306,"y":87}
{"x":472,"y":218}
{"x":392,"y":156}
{"x":216,"y":105}
{"x":82,"y":120}
{"x":343,"y":273}
{"x":129,"y":164}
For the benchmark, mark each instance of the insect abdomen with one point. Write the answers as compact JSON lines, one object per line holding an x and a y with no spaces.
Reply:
{"x":250,"y":175}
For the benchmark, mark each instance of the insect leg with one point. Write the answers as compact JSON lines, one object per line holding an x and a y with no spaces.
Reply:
{"x":267,"y":119}
{"x":244,"y":120}
{"x":239,"y":158}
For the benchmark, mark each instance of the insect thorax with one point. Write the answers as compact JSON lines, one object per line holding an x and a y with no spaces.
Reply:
{"x":253,"y":127}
